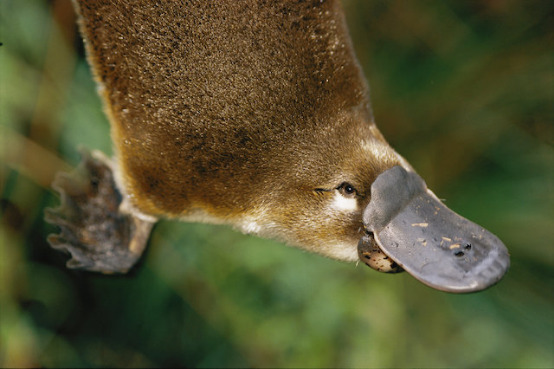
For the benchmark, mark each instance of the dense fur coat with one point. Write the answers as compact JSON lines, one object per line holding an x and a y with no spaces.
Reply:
{"x":249,"y":113}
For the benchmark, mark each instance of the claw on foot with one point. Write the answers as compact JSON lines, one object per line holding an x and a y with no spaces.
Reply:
{"x":92,"y":229}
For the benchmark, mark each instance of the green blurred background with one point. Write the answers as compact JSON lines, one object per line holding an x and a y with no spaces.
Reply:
{"x":463,"y":89}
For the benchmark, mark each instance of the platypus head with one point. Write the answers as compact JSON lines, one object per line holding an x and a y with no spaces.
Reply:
{"x":355,"y":198}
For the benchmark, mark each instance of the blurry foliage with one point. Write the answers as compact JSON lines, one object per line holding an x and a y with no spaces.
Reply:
{"x":463,"y":89}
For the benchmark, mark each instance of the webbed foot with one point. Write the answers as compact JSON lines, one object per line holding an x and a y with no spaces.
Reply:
{"x":93,"y":230}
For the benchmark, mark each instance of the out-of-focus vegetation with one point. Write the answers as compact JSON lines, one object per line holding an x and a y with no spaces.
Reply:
{"x":463,"y":89}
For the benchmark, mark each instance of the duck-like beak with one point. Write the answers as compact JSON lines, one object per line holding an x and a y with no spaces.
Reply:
{"x":428,"y":240}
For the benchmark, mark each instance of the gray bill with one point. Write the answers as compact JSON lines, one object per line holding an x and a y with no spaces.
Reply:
{"x":428,"y":240}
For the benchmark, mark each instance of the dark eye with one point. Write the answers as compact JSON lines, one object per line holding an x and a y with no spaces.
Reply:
{"x":347,"y":190}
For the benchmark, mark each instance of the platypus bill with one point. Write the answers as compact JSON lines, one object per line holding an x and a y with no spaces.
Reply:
{"x":257,"y":115}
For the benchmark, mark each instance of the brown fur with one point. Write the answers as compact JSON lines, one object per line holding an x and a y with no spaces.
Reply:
{"x":231,"y":110}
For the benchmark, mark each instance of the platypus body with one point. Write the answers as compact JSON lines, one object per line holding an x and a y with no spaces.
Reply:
{"x":254,"y":114}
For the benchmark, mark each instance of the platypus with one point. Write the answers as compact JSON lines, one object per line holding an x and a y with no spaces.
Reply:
{"x":254,"y":114}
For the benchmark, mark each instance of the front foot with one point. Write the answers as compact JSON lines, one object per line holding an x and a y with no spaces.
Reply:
{"x":92,"y":229}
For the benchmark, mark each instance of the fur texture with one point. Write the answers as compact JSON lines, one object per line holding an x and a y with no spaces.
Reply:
{"x":250,"y":113}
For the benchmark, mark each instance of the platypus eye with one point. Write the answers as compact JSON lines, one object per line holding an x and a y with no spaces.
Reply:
{"x":347,"y":190}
